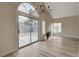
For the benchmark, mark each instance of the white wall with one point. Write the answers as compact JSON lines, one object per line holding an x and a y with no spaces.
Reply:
{"x":78,"y":15}
{"x":69,"y":27}
{"x":8,"y":37}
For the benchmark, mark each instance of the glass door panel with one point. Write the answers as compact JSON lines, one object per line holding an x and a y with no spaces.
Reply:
{"x":24,"y":31}
{"x":34,"y":30}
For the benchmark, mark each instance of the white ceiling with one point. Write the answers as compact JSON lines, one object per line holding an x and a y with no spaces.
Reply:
{"x":63,"y":9}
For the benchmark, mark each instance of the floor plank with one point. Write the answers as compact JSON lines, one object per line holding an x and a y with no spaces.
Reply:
{"x":54,"y":47}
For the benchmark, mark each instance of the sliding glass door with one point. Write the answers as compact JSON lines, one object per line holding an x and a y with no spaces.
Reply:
{"x":24,"y":31}
{"x":34,"y":30}
{"x":28,"y":30}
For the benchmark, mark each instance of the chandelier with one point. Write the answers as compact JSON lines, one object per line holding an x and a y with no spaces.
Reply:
{"x":42,"y":8}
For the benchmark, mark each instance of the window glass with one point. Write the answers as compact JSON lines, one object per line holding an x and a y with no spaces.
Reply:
{"x":43,"y":27}
{"x":56,"y":27}
{"x":59,"y":27}
{"x":27,"y":8}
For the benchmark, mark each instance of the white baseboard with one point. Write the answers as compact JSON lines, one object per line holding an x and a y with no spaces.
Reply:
{"x":68,"y":36}
{"x":8,"y":52}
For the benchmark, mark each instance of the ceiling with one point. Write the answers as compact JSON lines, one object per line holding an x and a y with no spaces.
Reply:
{"x":63,"y":9}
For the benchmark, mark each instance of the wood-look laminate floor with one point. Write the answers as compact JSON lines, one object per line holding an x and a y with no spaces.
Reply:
{"x":54,"y":47}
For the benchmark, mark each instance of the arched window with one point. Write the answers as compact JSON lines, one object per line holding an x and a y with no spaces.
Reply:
{"x":27,"y":8}
{"x":27,"y":24}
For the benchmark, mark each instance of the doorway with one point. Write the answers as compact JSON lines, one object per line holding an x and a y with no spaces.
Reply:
{"x":24,"y":31}
{"x":28,"y":30}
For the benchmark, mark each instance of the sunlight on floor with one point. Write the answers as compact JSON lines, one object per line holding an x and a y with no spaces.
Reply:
{"x":24,"y":39}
